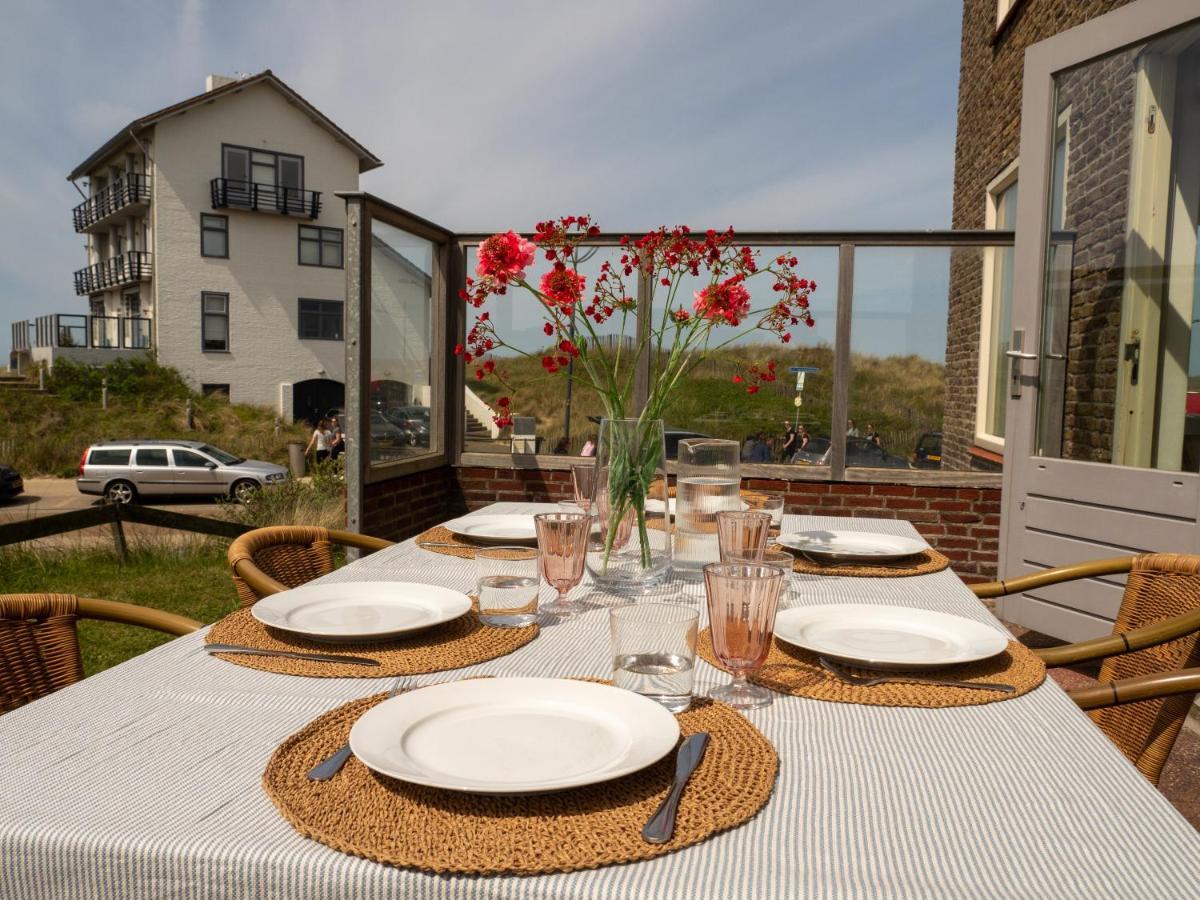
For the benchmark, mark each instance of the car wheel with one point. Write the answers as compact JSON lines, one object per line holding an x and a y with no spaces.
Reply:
{"x":120,"y":492}
{"x":243,"y":490}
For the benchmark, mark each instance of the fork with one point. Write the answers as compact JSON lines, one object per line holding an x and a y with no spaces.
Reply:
{"x":868,"y":680}
{"x":332,"y":764}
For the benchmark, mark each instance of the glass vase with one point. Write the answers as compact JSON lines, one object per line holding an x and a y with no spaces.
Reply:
{"x":708,"y":481}
{"x":630,"y":548}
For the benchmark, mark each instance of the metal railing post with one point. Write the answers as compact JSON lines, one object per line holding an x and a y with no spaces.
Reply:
{"x":841,"y":363}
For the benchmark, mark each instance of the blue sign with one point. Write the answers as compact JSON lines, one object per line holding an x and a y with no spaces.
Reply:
{"x":808,"y":369}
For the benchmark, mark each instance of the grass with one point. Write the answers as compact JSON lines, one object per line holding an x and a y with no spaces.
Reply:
{"x":317,"y":500}
{"x":902,"y":396}
{"x":191,"y":580}
{"x":45,"y":434}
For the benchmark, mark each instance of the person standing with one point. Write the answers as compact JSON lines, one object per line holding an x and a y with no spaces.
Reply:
{"x":320,"y":439}
{"x":761,"y":451}
{"x":789,"y":442}
{"x":748,"y":447}
{"x":337,"y":438}
{"x":873,"y":435}
{"x":802,"y":438}
{"x":589,"y":447}
{"x":852,"y":429}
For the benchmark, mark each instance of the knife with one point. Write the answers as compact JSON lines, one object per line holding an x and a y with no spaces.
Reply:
{"x":291,"y":654}
{"x":661,"y":826}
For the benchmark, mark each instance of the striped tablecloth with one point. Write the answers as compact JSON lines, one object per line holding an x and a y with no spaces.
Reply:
{"x":143,"y":782}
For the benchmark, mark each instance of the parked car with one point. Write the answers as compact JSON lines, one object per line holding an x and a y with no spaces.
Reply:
{"x":674,"y":435}
{"x":11,"y":483}
{"x":124,"y":471}
{"x":813,"y":453}
{"x":928,"y":453}
{"x":413,"y":420}
{"x":865,"y":453}
{"x":384,"y":432}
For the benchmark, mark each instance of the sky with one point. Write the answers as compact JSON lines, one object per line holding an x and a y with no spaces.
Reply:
{"x":490,"y":115}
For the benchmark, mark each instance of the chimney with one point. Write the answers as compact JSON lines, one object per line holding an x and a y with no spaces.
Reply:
{"x":212,"y":82}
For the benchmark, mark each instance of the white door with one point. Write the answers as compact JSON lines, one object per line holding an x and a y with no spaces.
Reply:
{"x":1103,"y":418}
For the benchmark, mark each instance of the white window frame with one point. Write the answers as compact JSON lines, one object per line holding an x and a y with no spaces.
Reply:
{"x":1003,"y":8}
{"x":997,"y":186}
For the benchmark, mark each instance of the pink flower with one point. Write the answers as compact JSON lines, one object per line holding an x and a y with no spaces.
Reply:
{"x":728,"y":300}
{"x":504,"y":257}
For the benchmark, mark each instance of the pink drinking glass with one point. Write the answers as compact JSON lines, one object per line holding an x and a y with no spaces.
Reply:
{"x":742,"y":600}
{"x":742,"y":531}
{"x":583,"y":483}
{"x":562,"y":546}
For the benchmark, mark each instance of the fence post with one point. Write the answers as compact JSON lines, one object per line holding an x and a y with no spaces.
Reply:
{"x":191,"y":418}
{"x":119,"y":533}
{"x":104,"y":393}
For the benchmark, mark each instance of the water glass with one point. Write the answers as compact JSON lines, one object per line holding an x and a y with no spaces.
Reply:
{"x":742,"y":531}
{"x":742,"y":601}
{"x":583,"y":484}
{"x":768,"y":502}
{"x":562,"y":547}
{"x":654,"y":651}
{"x":506,"y":580}
{"x":708,"y":481}
{"x":772,"y":556}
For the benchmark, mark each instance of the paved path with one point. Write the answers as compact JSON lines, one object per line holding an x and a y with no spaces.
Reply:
{"x":48,"y":496}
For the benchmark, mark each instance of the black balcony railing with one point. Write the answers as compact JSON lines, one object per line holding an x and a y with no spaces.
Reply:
{"x":127,"y":191}
{"x":128,"y":268}
{"x":290,"y":201}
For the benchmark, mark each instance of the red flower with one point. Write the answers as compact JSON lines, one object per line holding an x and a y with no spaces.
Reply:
{"x":548,"y":328}
{"x":562,"y":287}
{"x":549,"y":364}
{"x":504,"y":257}
{"x":728,"y":301}
{"x":682,"y":316}
{"x":568,"y":347}
{"x":458,"y":349}
{"x":479,"y":374}
{"x":737,"y":379}
{"x":752,"y":389}
{"x":504,"y":401}
{"x":502,"y":421}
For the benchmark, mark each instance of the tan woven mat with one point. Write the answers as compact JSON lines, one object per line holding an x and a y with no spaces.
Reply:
{"x":416,"y":827}
{"x":790,"y":670}
{"x":461,"y":642}
{"x":440,"y":539}
{"x":924,"y":563}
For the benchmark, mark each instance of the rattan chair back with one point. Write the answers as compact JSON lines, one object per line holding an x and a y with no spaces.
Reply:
{"x":39,"y":650}
{"x":268,"y":560}
{"x":1161,"y":586}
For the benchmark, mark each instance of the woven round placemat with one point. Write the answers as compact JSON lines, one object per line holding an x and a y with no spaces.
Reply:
{"x":464,"y":641}
{"x":440,"y":539}
{"x":790,"y":670}
{"x":411,"y":826}
{"x":924,"y":563}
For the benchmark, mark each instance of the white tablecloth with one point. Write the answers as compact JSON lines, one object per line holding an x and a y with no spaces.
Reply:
{"x":143,"y":782}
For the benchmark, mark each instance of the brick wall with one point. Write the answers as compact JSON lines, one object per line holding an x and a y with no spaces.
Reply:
{"x":963,"y":523}
{"x":402,"y":507}
{"x":989,"y":129}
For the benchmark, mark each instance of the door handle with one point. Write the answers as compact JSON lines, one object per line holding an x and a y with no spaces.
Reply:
{"x":1059,"y":356}
{"x":1016,"y":356}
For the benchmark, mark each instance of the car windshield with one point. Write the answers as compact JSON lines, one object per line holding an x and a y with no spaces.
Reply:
{"x":225,"y":459}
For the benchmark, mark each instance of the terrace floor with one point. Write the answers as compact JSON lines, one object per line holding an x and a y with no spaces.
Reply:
{"x":1181,"y":775}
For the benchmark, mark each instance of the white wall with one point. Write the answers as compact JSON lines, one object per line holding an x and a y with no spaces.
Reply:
{"x":262,"y":276}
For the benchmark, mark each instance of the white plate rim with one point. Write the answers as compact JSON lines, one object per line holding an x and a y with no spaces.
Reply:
{"x":652,"y":747}
{"x":456,"y":604}
{"x":794,"y":540}
{"x":990,"y":641}
{"x":455,"y":527}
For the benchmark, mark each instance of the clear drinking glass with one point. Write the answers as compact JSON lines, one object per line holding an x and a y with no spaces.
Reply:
{"x":654,"y":651}
{"x":742,"y":531}
{"x":768,"y":502}
{"x":506,"y":580}
{"x":709,"y":481}
{"x":772,"y":556}
{"x":742,"y":601}
{"x":562,"y":546}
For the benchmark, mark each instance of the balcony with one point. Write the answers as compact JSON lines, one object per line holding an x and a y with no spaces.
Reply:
{"x":126,"y":196}
{"x":92,"y":340}
{"x":127,"y":268}
{"x":232,"y":193}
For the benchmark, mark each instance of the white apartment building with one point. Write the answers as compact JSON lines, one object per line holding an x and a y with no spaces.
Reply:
{"x":214,"y":240}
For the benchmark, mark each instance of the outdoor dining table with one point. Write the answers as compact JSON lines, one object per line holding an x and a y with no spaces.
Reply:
{"x":144,"y":781}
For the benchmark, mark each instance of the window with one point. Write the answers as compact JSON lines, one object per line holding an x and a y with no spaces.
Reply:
{"x":320,"y":246}
{"x":214,"y":236}
{"x":1003,"y":8}
{"x":262,"y":167}
{"x":118,"y":457}
{"x":214,"y":324}
{"x":995,"y":327}
{"x":189,"y":460}
{"x":320,"y":320}
{"x":209,"y":389}
{"x":151,"y":457}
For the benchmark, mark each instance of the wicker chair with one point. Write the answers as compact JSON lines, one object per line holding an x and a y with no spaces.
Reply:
{"x":269,"y":560}
{"x":1151,"y":668}
{"x":39,"y":648}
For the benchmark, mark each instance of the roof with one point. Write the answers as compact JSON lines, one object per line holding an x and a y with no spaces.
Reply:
{"x":367,"y":159}
{"x":138,"y":442}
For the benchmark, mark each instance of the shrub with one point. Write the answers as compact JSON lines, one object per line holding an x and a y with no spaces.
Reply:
{"x":319,"y":499}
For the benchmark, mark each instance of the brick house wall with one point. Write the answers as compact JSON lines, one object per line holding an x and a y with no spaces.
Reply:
{"x":988,"y":138}
{"x":961,"y":522}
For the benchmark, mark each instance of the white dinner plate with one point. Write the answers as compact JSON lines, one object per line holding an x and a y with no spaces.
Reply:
{"x":359,"y":610}
{"x":888,"y":637}
{"x":512,"y":527}
{"x":513,"y":735}
{"x":656,"y":506}
{"x":852,"y":544}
